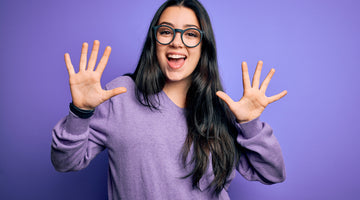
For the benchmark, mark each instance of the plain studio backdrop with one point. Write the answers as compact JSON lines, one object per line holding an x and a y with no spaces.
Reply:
{"x":312,"y":44}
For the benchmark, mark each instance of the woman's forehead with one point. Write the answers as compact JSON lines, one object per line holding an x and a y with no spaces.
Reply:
{"x":179,"y":17}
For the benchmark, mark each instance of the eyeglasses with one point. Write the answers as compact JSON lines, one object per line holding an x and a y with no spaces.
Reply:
{"x":191,"y":37}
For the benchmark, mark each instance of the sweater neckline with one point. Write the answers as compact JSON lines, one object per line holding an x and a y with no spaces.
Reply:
{"x":170,"y":103}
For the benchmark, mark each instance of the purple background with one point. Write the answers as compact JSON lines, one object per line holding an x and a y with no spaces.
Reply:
{"x":313,"y":45}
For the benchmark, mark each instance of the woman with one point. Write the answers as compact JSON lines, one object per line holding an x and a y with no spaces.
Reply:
{"x":168,"y":131}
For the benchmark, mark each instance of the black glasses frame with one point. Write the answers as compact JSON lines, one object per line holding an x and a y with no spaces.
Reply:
{"x":180,"y":31}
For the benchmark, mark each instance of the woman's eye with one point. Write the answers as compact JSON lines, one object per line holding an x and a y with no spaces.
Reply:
{"x":165,"y":32}
{"x":192,"y":34}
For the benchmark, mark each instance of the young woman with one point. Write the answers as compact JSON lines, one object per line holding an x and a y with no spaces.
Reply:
{"x":169,"y":130}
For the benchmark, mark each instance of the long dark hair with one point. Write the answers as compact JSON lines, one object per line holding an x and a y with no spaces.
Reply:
{"x":211,"y":128}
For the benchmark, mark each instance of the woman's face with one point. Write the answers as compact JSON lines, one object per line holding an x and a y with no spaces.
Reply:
{"x":177,"y":61}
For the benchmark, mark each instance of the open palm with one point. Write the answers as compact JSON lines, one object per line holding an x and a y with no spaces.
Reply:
{"x":85,"y":86}
{"x":254,"y":100}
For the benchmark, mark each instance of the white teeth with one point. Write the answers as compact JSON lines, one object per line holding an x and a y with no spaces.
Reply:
{"x":175,"y":56}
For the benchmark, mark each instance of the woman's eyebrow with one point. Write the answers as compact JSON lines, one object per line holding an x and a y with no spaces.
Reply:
{"x":186,"y":25}
{"x":191,"y":25}
{"x":167,"y":23}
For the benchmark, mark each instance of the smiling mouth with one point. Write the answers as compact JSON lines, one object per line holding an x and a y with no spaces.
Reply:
{"x":175,"y":56}
{"x":176,"y":61}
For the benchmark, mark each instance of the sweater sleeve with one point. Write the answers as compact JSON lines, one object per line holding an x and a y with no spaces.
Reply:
{"x":260,"y":156}
{"x":76,"y":141}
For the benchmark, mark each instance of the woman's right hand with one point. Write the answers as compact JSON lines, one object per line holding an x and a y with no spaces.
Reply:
{"x":85,"y":86}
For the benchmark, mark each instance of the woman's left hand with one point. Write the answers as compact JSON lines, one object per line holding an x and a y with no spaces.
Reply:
{"x":254,"y":100}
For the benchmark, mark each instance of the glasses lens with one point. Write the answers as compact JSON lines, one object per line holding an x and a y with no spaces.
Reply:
{"x":191,"y":37}
{"x":164,"y":34}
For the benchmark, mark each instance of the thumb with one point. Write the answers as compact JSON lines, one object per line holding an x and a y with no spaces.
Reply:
{"x":114,"y":92}
{"x":225,"y":97}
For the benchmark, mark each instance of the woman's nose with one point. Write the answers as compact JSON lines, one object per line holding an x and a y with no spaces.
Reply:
{"x":177,"y":42}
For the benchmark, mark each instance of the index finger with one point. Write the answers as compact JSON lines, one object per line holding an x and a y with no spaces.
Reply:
{"x":69,"y":66}
{"x":104,"y":59}
{"x":245,"y":75}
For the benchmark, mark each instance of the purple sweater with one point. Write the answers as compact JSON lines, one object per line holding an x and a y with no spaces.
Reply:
{"x":144,"y":148}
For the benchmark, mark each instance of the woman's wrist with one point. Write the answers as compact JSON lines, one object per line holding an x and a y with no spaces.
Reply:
{"x":81,"y":113}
